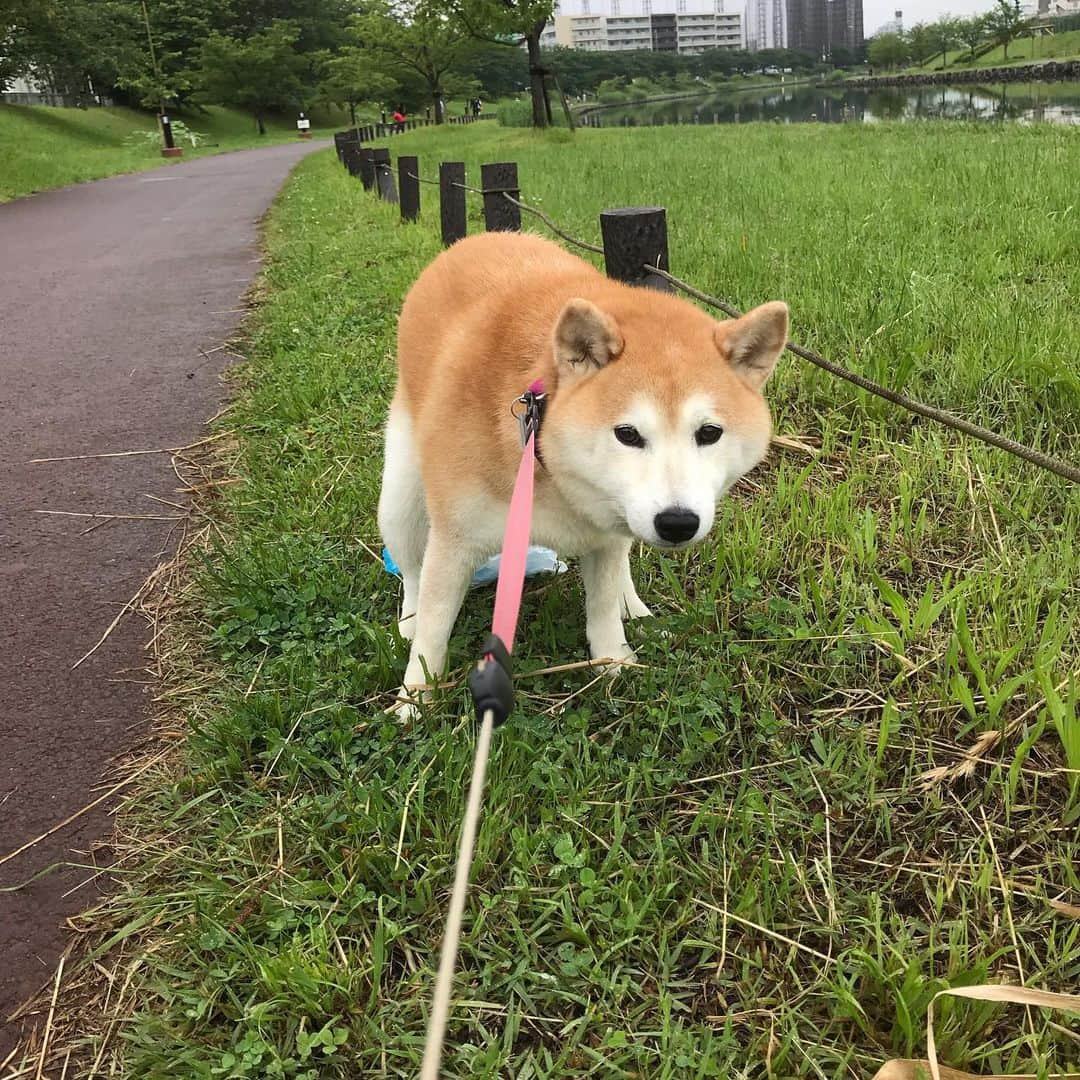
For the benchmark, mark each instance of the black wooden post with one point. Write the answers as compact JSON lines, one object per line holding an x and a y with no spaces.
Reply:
{"x":367,"y":167}
{"x":409,"y":186}
{"x":384,"y":175}
{"x":347,"y":142}
{"x":351,"y":159}
{"x":634,"y":239}
{"x":452,"y":201}
{"x":500,"y":214}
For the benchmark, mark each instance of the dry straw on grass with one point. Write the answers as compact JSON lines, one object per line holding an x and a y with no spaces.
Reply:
{"x":89,"y":993}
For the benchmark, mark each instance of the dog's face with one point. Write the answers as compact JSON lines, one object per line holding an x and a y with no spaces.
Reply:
{"x":657,"y":412}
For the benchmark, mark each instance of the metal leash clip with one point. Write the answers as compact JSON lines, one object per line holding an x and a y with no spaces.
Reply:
{"x":529,"y":417}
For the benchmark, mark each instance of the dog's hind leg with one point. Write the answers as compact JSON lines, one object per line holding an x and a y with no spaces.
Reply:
{"x":633,"y":607}
{"x":403,"y":518}
{"x":444,"y":580}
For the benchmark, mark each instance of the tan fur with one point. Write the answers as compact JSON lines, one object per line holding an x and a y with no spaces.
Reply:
{"x":496,"y":312}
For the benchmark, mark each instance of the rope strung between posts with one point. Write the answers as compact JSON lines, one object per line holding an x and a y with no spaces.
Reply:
{"x":942,"y":416}
{"x":595,"y":248}
{"x":438,"y":183}
{"x":951,"y":420}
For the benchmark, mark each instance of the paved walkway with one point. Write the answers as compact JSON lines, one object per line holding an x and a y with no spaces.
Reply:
{"x":107,"y":292}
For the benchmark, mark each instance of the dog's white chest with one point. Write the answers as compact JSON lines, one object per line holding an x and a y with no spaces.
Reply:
{"x":556,"y":524}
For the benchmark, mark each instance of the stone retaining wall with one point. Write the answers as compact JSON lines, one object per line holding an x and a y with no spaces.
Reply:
{"x":1050,"y":71}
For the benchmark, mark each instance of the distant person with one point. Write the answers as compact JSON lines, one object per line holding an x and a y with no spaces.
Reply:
{"x":477,"y":105}
{"x":399,"y":119}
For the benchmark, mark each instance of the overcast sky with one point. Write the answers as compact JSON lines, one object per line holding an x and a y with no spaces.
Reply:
{"x":876,"y":12}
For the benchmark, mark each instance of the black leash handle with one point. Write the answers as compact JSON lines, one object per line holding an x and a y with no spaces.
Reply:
{"x":491,"y":681}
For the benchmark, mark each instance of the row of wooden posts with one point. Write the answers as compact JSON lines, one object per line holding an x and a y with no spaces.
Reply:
{"x":634,"y":238}
{"x":385,"y":128}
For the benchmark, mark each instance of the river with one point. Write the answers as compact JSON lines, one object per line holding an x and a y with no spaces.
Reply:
{"x":1034,"y":102}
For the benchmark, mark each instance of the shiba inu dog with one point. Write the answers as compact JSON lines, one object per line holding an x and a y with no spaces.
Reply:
{"x":654,"y":410}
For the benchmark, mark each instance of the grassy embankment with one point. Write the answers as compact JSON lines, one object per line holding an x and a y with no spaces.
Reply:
{"x":1064,"y":46}
{"x":44,"y":147}
{"x":724,"y":864}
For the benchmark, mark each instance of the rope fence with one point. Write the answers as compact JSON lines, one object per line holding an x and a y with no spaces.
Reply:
{"x":634,"y":249}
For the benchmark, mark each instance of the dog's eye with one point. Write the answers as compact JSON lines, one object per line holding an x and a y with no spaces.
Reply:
{"x":708,"y":434}
{"x":629,"y":436}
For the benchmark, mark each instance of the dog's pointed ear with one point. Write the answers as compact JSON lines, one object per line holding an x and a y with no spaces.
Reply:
{"x":752,"y":344}
{"x":585,"y":338}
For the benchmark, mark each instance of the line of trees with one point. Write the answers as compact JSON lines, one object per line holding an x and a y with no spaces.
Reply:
{"x":272,"y":56}
{"x":263,"y":55}
{"x":925,"y":42}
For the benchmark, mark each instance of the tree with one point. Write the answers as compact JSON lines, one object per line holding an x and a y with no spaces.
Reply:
{"x":261,"y":73}
{"x":349,"y":78}
{"x":502,"y":71}
{"x":920,"y":43}
{"x":76,"y":47}
{"x":322,"y":25}
{"x":888,"y":50}
{"x":1004,"y":23}
{"x":972,"y":32}
{"x":514,"y":23}
{"x":414,"y":36}
{"x":169,"y":36}
{"x":17,"y":18}
{"x":944,"y":36}
{"x":842,"y":57}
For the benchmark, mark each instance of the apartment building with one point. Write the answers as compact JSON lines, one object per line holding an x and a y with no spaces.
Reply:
{"x":683,"y":26}
{"x":814,"y":27}
{"x":698,"y":31}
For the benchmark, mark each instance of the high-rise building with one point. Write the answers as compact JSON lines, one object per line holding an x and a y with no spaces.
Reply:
{"x":894,"y":26}
{"x":815,"y":27}
{"x":683,"y":26}
{"x":766,"y":24}
{"x":844,"y":23}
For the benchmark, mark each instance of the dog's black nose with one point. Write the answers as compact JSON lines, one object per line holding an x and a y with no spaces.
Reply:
{"x":676,"y":525}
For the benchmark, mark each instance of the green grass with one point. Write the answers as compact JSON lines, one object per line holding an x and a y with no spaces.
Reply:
{"x":1063,"y":46}
{"x":724,"y":864}
{"x":47,"y":147}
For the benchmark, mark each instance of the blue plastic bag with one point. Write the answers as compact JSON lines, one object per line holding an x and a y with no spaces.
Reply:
{"x":540,"y":560}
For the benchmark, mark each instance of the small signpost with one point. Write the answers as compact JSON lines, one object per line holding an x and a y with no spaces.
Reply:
{"x":170,"y":149}
{"x":303,"y":127}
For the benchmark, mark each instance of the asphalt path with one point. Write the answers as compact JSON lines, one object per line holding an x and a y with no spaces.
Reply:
{"x":113,"y":298}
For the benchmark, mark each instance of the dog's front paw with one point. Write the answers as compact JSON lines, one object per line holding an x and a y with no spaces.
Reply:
{"x":612,"y":658}
{"x":406,"y":706}
{"x":635,"y":607}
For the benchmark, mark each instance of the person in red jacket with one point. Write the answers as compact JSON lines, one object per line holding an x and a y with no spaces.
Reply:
{"x":399,"y":118}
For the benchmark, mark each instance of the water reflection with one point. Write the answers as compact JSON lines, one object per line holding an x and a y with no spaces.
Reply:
{"x":1022,"y":102}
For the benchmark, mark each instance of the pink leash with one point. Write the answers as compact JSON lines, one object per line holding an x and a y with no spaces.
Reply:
{"x":493,"y":694}
{"x":515,"y":549}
